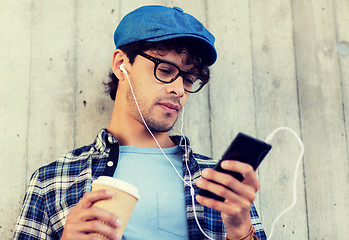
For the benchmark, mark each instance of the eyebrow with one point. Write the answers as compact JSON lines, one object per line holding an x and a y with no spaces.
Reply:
{"x":191,"y":71}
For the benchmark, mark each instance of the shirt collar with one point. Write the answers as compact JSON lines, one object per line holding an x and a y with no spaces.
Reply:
{"x":104,"y":140}
{"x":181,"y":141}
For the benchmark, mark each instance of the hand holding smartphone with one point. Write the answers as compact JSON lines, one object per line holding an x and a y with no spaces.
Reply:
{"x":245,"y":149}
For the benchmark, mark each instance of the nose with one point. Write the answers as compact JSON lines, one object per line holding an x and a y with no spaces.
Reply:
{"x":176,"y":87}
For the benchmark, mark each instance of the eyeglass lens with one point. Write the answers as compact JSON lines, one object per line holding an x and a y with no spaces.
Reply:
{"x":168,"y":73}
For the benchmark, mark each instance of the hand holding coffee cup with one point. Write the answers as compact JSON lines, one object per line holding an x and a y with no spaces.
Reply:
{"x":121,"y":204}
{"x":85,"y":219}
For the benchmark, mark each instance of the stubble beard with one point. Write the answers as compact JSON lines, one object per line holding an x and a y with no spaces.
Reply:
{"x":155,"y":125}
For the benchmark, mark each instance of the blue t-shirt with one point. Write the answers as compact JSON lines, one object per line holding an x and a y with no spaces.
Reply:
{"x":160,"y":212}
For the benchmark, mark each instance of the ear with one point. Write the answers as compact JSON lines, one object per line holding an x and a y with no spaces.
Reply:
{"x":119,"y":57}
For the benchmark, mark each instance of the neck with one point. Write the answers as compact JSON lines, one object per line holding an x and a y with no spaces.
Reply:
{"x":129,"y":132}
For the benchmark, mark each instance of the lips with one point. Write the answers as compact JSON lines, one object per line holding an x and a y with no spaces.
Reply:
{"x":171,"y":106}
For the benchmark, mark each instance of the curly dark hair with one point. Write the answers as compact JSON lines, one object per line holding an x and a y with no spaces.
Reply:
{"x":191,"y":45}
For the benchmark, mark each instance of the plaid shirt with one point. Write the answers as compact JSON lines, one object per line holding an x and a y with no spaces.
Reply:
{"x":56,"y":188}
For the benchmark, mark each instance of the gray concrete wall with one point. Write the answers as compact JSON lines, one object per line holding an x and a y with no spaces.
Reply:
{"x":280,"y":63}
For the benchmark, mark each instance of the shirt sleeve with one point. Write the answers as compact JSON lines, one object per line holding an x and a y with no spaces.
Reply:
{"x":33,"y":222}
{"x":256,"y":222}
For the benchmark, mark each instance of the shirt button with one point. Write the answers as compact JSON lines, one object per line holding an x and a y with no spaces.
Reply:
{"x":110,"y":163}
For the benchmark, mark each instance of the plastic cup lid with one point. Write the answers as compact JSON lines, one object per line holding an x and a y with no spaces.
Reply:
{"x":119,"y":184}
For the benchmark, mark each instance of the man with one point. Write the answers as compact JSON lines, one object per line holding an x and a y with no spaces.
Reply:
{"x":162,"y":56}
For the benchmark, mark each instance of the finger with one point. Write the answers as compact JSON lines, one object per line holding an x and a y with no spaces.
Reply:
{"x":96,"y":213}
{"x":74,"y":231}
{"x":241,"y":189}
{"x":102,"y":228}
{"x":209,"y":202}
{"x":80,"y":236}
{"x":91,"y":197}
{"x":85,"y":230}
{"x":217,"y":189}
{"x":84,"y":221}
{"x":226,"y":207}
{"x":249,"y":174}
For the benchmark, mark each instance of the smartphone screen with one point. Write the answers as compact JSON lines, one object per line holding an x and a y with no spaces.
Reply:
{"x":245,"y":149}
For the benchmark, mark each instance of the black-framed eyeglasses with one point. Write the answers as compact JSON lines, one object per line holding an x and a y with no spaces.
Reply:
{"x":167,"y":72}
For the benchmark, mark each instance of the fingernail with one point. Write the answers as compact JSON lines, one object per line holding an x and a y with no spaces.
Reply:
{"x":118,"y":222}
{"x":204,"y":173}
{"x":109,"y":192}
{"x":225,"y":164}
{"x":117,"y":235}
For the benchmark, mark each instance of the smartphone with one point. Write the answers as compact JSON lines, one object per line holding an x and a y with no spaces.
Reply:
{"x":245,"y":149}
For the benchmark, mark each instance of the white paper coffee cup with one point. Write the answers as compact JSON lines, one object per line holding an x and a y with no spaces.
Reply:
{"x":123,"y":202}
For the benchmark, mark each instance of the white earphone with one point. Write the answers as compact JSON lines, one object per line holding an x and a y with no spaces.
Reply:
{"x":192,"y":191}
{"x":190,"y":184}
{"x":122,"y":68}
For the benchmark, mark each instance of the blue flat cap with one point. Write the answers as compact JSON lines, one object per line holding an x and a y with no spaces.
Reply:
{"x":157,"y":23}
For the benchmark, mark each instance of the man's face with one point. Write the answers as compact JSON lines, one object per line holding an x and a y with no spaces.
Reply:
{"x":160,"y":103}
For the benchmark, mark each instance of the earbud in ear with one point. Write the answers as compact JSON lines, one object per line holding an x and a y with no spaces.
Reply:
{"x":122,"y":68}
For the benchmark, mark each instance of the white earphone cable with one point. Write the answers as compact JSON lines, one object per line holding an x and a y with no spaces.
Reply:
{"x":145,"y":124}
{"x":299,"y":161}
{"x":192,"y":191}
